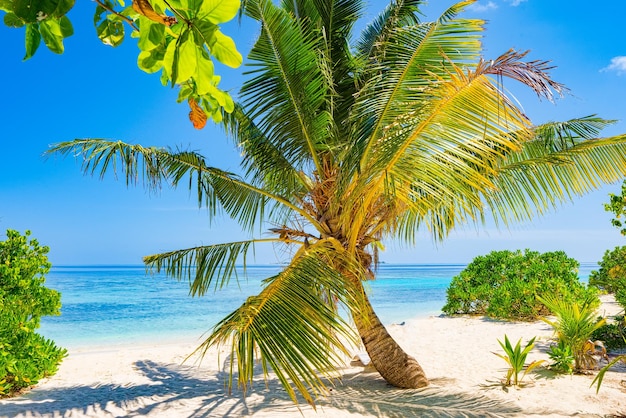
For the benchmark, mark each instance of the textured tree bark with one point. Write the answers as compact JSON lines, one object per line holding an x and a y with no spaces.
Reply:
{"x":394,"y":365}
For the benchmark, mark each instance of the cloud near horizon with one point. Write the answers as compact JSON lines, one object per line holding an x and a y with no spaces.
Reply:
{"x":479,"y":7}
{"x":618,"y":65}
{"x":516,"y":3}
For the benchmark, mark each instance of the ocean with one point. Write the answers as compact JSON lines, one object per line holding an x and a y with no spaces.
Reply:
{"x":119,"y":305}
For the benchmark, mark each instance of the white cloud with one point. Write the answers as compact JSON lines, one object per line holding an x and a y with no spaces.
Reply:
{"x":479,"y":7}
{"x":618,"y":64}
{"x":516,"y":3}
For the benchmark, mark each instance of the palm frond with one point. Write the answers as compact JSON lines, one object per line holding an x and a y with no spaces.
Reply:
{"x":293,"y":326}
{"x":265,"y":164}
{"x":398,"y":13}
{"x":288,"y":89}
{"x":216,"y":189}
{"x":533,"y":74}
{"x":417,"y":58}
{"x":444,"y":153}
{"x":205,"y":266}
{"x":561,"y":135}
{"x":544,"y":178}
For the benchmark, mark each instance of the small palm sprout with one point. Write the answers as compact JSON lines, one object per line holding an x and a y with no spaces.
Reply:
{"x":574,"y":325}
{"x":516,"y":359}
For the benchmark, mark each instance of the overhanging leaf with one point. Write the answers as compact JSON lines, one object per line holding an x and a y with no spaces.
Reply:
{"x":218,"y":11}
{"x":225,"y":50}
{"x":33,"y":39}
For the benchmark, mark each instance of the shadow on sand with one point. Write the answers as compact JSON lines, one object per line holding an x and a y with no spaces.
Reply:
{"x":173,"y":389}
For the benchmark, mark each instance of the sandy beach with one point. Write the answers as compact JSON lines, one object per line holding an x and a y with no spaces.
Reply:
{"x":457,"y":354}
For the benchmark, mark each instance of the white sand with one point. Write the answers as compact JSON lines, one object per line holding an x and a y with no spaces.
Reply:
{"x":456,"y":354}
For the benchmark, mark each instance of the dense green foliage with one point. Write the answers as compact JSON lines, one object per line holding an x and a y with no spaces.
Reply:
{"x":505,"y":284}
{"x":611,"y":277}
{"x":179,"y":37}
{"x":617,"y":205}
{"x":25,"y":356}
{"x":574,"y":325}
{"x":613,"y":335}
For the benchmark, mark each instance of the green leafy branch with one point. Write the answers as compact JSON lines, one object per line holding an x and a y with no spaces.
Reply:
{"x":180,"y":38}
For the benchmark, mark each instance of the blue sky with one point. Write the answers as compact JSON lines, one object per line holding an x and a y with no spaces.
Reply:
{"x":96,"y":91}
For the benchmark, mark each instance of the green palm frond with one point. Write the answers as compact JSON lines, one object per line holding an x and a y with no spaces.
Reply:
{"x":416,"y":58}
{"x":205,"y":266}
{"x":546,"y":178}
{"x":398,"y":13}
{"x":293,"y":327}
{"x":265,"y":164}
{"x":561,"y":135}
{"x":288,"y":88}
{"x":216,"y":189}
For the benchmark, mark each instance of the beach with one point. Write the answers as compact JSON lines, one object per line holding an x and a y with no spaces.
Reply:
{"x":152,"y":379}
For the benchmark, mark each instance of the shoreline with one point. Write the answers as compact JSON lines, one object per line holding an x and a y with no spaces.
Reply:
{"x":149,"y":379}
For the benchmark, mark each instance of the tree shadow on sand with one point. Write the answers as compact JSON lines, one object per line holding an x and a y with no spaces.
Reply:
{"x":174,"y":388}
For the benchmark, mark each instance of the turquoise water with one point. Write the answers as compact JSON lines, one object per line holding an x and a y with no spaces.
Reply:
{"x":123,"y":304}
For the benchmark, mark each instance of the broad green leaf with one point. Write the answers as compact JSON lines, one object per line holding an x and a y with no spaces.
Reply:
{"x":225,"y":50}
{"x":218,"y":11}
{"x":63,"y":7}
{"x":151,"y":35}
{"x":184,"y":93}
{"x":204,"y":31}
{"x":170,"y":62}
{"x":13,"y":21}
{"x":33,"y":39}
{"x":151,"y":61}
{"x":204,"y":75}
{"x":229,"y":104}
{"x":32,"y":11}
{"x":67,"y":29}
{"x":52,"y":35}
{"x":217,"y":115}
{"x":110,"y":32}
{"x":187,"y":57}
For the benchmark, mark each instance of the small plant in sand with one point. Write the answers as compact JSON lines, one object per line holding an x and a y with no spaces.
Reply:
{"x":574,"y":326}
{"x":516,"y":359}
{"x":562,"y":358}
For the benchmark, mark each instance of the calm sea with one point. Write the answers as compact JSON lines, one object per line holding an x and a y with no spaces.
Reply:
{"x":105,"y":305}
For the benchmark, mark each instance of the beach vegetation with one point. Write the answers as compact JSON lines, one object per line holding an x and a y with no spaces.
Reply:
{"x":515,"y":357}
{"x":562,"y":358}
{"x":179,"y":38}
{"x":574,"y":326}
{"x":505,"y":284}
{"x":344,"y":147}
{"x":613,"y":334}
{"x":617,"y":206}
{"x":611,"y":276}
{"x":25,"y":356}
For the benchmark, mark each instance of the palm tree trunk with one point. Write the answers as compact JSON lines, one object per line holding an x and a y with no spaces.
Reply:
{"x":394,"y":365}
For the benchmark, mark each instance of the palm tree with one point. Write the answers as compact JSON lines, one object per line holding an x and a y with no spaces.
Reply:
{"x":344,"y":146}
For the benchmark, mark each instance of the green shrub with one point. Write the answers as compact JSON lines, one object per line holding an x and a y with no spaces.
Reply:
{"x":25,"y":356}
{"x":612,"y":335}
{"x":612,"y":274}
{"x":505,"y":284}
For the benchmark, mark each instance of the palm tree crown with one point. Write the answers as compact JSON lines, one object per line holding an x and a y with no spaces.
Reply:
{"x":347,"y":145}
